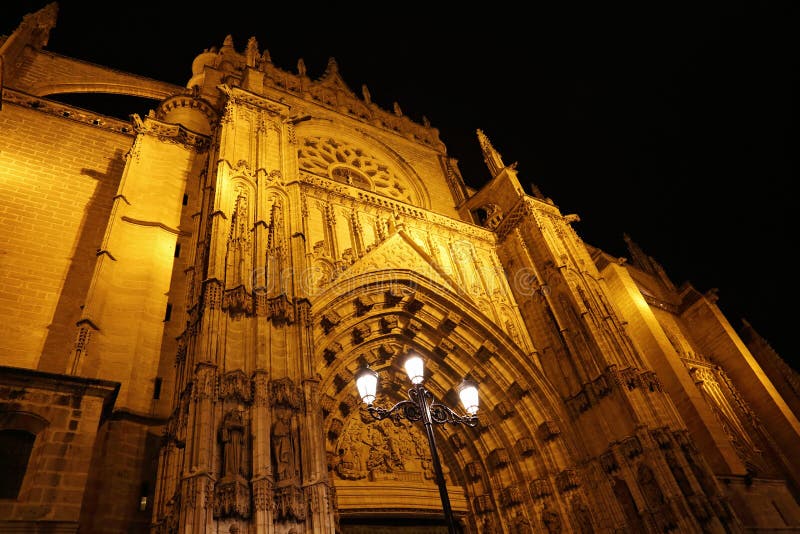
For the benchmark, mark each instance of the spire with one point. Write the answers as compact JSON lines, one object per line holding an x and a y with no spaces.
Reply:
{"x":645,"y":262}
{"x":492,"y":158}
{"x":332,"y":68}
{"x":638,"y":256}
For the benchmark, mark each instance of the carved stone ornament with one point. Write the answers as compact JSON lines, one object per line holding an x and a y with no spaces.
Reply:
{"x":541,"y":488}
{"x":526,"y":446}
{"x":457,"y":441}
{"x":473,"y":471}
{"x":548,"y":430}
{"x":290,"y":503}
{"x":413,"y":328}
{"x":205,"y":382}
{"x":504,"y":409}
{"x":486,"y":351}
{"x":389,"y":323}
{"x":662,"y":437}
{"x":499,"y":458}
{"x":444,"y":347}
{"x":483,"y":504}
{"x":393,"y":297}
{"x":329,"y":320}
{"x":449,"y":322}
{"x":511,"y":496}
{"x":568,"y":480}
{"x":263,"y":494}
{"x":260,"y":385}
{"x":608,"y":461}
{"x":363,"y":304}
{"x":414,"y":303}
{"x":232,"y":499}
{"x":235,"y":385}
{"x":330,"y":352}
{"x":238,"y":301}
{"x":281,"y":310}
{"x":385,"y":450}
{"x":631,"y":447}
{"x":360,"y":333}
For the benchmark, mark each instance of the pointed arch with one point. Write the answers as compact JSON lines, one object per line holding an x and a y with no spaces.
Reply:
{"x":376,"y":317}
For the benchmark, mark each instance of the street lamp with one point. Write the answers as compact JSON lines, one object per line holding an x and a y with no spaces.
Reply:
{"x":422,"y":406}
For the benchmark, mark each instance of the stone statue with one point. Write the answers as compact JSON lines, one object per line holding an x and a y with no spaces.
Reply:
{"x":551,"y":520}
{"x":232,"y":437}
{"x":284,"y":446}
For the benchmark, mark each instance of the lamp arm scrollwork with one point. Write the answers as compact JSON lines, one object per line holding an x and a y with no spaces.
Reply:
{"x":414,"y":409}
{"x":441,"y":414}
{"x":406,"y":408}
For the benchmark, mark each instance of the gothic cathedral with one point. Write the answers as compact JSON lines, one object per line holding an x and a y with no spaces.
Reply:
{"x":189,"y":295}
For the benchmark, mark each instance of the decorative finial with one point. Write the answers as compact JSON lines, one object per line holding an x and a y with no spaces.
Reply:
{"x":266,"y":58}
{"x":365,"y":92}
{"x":332,"y":67}
{"x":251,"y":52}
{"x":228,"y":42}
{"x":301,"y":67}
{"x":397,"y":110}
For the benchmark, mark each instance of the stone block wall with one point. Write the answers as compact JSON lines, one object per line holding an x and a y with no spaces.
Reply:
{"x":64,"y":414}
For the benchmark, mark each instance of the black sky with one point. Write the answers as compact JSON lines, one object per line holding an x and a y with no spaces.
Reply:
{"x":670,"y":122}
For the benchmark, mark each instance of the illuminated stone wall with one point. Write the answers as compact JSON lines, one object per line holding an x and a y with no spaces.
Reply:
{"x":211,"y":276}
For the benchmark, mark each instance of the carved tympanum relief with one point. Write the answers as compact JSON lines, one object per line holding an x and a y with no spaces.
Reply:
{"x":382,"y":450}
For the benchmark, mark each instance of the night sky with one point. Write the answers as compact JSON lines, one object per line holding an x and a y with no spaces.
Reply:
{"x":667,"y":122}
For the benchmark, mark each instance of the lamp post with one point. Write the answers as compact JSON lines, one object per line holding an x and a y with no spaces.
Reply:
{"x":422,"y":406}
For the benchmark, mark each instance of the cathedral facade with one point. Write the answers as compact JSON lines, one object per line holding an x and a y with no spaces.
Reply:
{"x":188,"y":296}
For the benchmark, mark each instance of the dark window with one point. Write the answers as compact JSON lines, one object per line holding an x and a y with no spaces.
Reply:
{"x":157,"y":389}
{"x":177,"y":250}
{"x":168,"y":313}
{"x":185,"y":199}
{"x":15,"y":450}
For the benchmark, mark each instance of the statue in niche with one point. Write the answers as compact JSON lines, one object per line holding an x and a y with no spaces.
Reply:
{"x":489,"y":526}
{"x":678,"y":473}
{"x":581,"y":517}
{"x":522,"y":524}
{"x":232,"y":437}
{"x":238,"y":259}
{"x":647,"y":481}
{"x":284,"y":445}
{"x":275,"y":248}
{"x":551,"y":520}
{"x":513,"y":332}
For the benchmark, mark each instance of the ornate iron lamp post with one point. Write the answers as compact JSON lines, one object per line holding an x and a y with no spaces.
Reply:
{"x":422,"y":406}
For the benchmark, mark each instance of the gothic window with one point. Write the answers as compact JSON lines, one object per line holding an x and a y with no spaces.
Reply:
{"x":351,"y":165}
{"x":350,"y":176}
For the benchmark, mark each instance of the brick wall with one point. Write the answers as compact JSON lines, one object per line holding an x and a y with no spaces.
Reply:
{"x":57,"y":181}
